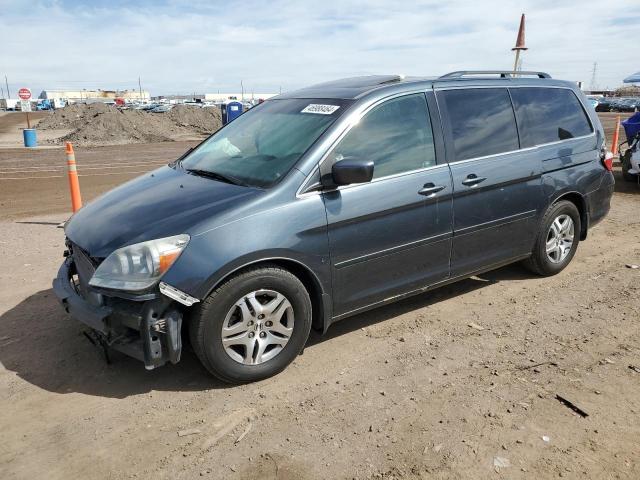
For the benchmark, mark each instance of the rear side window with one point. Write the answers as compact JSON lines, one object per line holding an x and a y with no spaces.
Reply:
{"x":481,"y":121}
{"x":548,"y":115}
{"x":396,"y":135}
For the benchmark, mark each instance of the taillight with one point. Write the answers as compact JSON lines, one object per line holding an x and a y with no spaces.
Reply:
{"x":607,"y":161}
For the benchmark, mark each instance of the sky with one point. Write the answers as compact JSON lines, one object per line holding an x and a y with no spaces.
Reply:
{"x":200,"y":46}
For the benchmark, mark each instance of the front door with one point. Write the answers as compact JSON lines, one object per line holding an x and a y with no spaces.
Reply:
{"x":392,"y":235}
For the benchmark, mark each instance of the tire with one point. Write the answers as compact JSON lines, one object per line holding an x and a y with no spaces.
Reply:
{"x":238,"y":295}
{"x":625,"y":160}
{"x":540,"y":261}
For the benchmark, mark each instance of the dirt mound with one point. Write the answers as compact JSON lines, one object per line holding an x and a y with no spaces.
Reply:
{"x":100,"y":124}
{"x":197,"y":119}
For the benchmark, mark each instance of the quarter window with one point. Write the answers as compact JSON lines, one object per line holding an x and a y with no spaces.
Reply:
{"x":481,"y":122}
{"x":548,"y":115}
{"x":396,"y":135}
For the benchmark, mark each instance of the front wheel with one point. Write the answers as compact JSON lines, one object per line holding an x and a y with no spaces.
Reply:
{"x":557,"y":239}
{"x":252,"y":326}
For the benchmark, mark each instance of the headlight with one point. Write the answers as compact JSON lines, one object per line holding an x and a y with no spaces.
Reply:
{"x":139,"y":266}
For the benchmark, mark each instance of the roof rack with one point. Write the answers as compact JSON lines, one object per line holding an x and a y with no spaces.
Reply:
{"x":502,"y":73}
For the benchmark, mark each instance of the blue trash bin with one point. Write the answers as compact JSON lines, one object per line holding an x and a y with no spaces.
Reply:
{"x":30,"y":138}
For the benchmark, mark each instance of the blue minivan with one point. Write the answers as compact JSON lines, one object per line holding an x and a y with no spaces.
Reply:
{"x":331,"y":200}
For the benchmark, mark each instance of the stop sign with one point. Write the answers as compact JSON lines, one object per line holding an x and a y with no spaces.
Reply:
{"x":24,"y":93}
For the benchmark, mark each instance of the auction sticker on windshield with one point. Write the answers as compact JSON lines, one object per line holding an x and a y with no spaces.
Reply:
{"x":321,"y":109}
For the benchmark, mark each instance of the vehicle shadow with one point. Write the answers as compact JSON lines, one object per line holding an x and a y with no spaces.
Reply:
{"x":623,"y":186}
{"x":46,"y":348}
{"x":387,"y":312}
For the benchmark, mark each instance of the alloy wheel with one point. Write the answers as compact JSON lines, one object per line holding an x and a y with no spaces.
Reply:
{"x":257,"y":327}
{"x":560,"y":238}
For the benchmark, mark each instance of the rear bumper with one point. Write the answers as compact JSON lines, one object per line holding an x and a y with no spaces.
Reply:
{"x":148,"y":330}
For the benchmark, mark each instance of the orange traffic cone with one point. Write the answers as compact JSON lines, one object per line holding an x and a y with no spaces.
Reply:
{"x":74,"y":184}
{"x":614,"y":138}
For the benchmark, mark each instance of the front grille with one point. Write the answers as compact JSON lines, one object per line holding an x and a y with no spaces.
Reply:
{"x":85,"y":268}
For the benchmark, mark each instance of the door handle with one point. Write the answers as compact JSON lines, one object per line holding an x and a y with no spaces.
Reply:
{"x":473,"y":180}
{"x":430,"y":189}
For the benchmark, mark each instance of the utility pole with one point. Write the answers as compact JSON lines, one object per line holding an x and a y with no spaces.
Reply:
{"x":140,"y":88}
{"x":7,"y":84}
{"x":242,"y":91}
{"x":519,"y":45}
{"x":593,"y":85}
{"x":2,"y":90}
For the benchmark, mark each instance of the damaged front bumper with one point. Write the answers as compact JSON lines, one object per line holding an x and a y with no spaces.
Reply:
{"x":148,"y":328}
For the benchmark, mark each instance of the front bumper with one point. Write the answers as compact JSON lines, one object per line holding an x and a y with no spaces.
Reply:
{"x":147,"y":330}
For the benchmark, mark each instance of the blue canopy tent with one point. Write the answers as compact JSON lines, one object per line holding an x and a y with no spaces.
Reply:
{"x":635,"y":78}
{"x":632,"y":126}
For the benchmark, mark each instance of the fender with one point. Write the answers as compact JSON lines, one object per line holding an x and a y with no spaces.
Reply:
{"x":579,"y":201}
{"x":318,"y":286}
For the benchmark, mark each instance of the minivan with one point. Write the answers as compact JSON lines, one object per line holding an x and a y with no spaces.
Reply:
{"x":331,"y":200}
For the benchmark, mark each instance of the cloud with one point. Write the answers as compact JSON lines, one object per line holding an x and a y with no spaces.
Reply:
{"x":197,"y":46}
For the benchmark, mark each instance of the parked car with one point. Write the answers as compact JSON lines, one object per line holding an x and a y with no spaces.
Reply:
{"x":161,"y":108}
{"x":146,"y":106}
{"x":626,"y":105}
{"x":329,"y":201}
{"x":604,"y":104}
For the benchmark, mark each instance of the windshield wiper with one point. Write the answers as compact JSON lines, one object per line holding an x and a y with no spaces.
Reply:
{"x":216,"y":176}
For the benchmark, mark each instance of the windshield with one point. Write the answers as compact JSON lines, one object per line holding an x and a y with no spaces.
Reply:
{"x":262,"y":145}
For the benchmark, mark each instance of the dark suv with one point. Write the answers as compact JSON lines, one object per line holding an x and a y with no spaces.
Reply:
{"x":331,"y":200}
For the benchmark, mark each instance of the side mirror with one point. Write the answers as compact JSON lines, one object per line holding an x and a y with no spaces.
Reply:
{"x":352,"y":170}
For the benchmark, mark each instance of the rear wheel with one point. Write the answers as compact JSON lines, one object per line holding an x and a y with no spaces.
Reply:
{"x":252,"y":326}
{"x":557,"y":239}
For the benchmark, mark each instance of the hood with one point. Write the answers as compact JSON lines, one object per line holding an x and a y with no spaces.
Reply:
{"x":159,"y":204}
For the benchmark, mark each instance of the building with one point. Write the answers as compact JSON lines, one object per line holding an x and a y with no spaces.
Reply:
{"x":180,"y":98}
{"x":601,"y":92}
{"x":223,"y":97}
{"x":90,"y":96}
{"x":214,"y":97}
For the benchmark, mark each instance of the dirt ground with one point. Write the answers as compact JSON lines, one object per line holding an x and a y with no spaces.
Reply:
{"x":34,"y":182}
{"x":12,"y":124}
{"x":457,"y":383}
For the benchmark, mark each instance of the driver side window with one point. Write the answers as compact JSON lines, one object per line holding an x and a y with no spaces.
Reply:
{"x":396,"y":135}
